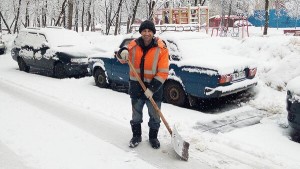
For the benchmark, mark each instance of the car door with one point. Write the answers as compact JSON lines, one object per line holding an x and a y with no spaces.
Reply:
{"x":27,"y":48}
{"x":120,"y":72}
{"x":42,"y":58}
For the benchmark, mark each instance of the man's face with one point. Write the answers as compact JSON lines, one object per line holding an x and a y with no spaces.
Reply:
{"x":147,"y":35}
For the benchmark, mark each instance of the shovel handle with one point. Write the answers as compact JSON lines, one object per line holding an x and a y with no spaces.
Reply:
{"x":151,"y":99}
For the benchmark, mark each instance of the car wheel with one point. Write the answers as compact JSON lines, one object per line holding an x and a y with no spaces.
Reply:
{"x":22,"y":65}
{"x":100,"y":78}
{"x":174,"y":93}
{"x":59,"y":71}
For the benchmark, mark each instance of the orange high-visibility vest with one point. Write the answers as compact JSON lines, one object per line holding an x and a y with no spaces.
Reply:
{"x":156,"y":63}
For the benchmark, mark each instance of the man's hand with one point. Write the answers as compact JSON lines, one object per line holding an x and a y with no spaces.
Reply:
{"x":123,"y":54}
{"x":148,"y":93}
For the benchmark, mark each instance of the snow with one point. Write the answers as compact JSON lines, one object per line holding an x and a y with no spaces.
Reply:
{"x":293,"y":85}
{"x":72,"y":124}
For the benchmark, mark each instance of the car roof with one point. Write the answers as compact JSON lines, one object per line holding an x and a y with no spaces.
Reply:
{"x":43,"y":30}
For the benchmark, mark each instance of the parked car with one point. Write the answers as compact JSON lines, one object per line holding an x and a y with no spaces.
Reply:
{"x":192,"y":74}
{"x":2,"y":47}
{"x":293,"y":103}
{"x":62,"y":52}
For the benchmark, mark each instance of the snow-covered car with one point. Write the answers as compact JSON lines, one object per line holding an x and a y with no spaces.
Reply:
{"x":293,"y":103}
{"x":2,"y":47}
{"x":193,"y":73}
{"x":62,"y":52}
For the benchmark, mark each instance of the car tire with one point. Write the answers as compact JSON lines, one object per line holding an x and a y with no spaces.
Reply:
{"x":22,"y":65}
{"x":100,"y":78}
{"x":174,"y":93}
{"x":59,"y":71}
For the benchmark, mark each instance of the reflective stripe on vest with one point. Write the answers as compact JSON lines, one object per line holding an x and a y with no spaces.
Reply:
{"x":148,"y":74}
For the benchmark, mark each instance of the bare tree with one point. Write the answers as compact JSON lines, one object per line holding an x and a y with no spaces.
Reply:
{"x":27,"y":15}
{"x":7,"y":27}
{"x":108,"y":16}
{"x":266,"y":17}
{"x":17,"y":17}
{"x":62,"y":13}
{"x":201,"y":2}
{"x":117,"y":18}
{"x":293,"y":10}
{"x":89,"y":16}
{"x":44,"y":13}
{"x":82,"y":16}
{"x":151,"y":6}
{"x":131,"y":17}
{"x":76,"y":15}
{"x":70,"y":14}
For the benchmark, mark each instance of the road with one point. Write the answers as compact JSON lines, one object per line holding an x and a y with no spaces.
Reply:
{"x":76,"y":108}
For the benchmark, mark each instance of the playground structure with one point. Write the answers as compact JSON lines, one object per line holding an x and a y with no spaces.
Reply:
{"x":195,"y":18}
{"x":231,"y":26}
{"x":188,"y":18}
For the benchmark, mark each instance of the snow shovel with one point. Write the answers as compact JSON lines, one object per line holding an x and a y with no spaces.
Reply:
{"x":180,"y":146}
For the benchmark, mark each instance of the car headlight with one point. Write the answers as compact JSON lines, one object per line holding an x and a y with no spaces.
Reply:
{"x":79,"y":60}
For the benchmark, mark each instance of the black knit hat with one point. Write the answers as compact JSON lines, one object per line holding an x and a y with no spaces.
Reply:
{"x":147,"y":24}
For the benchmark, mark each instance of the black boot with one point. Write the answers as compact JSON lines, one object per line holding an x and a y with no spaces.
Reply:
{"x":136,"y":135}
{"x":153,"y":138}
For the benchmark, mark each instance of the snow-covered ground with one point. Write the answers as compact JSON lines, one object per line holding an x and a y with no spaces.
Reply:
{"x":48,"y":123}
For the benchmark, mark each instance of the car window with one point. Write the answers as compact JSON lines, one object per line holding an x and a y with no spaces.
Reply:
{"x":174,"y":52}
{"x":20,"y":39}
{"x":33,"y":40}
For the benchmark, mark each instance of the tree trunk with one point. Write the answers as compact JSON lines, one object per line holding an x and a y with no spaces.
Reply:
{"x":76,"y":15}
{"x":26,"y":16}
{"x":0,"y":25}
{"x":70,"y":14}
{"x":93,"y":27}
{"x":117,"y":18}
{"x":17,"y":18}
{"x":202,"y":2}
{"x":266,"y":17}
{"x":89,"y":16}
{"x":61,"y":15}
{"x":132,"y":19}
{"x":44,"y":14}
{"x":228,"y":16}
{"x":82,"y":16}
{"x":108,"y":12}
{"x":151,"y":10}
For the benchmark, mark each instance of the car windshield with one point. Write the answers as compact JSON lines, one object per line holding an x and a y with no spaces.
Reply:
{"x":65,"y":38}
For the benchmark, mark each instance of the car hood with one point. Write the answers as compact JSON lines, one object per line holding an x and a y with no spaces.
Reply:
{"x":79,"y":51}
{"x":294,"y":85}
{"x":223,"y":64}
{"x":198,"y":52}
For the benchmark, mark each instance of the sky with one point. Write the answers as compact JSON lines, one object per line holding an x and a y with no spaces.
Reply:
{"x":48,"y":123}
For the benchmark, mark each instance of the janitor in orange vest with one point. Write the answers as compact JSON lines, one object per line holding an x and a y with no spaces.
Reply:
{"x":150,"y":58}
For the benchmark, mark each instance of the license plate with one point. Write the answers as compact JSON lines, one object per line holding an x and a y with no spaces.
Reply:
{"x":238,"y":75}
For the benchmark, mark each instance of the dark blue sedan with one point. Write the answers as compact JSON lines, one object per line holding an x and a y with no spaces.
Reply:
{"x":192,"y":74}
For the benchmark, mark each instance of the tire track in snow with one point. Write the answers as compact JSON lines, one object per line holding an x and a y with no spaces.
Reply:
{"x":100,"y":126}
{"x":112,"y":132}
{"x":10,"y":160}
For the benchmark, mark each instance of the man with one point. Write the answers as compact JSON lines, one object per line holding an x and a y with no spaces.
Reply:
{"x":150,"y":58}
